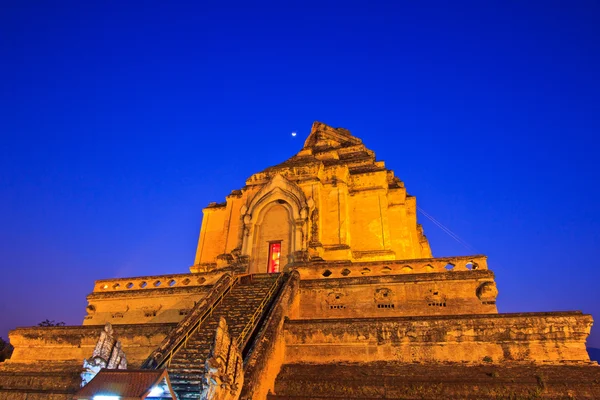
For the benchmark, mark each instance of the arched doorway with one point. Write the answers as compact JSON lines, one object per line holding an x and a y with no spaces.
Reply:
{"x":274,"y":235}
{"x":275,"y":221}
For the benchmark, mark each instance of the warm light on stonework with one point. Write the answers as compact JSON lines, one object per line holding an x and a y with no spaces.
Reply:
{"x":315,"y":271}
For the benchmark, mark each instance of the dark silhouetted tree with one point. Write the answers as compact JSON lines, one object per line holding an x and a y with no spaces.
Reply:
{"x":47,"y":322}
{"x":6,"y":350}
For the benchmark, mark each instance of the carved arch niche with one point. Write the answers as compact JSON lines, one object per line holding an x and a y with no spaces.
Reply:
{"x":278,"y":212}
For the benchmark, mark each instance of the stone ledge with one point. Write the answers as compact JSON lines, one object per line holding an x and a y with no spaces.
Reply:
{"x":438,"y":317}
{"x":153,"y":292}
{"x":43,"y":332}
{"x":49,"y":368}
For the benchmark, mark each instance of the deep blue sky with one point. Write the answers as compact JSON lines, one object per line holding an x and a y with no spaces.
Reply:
{"x":120,"y":122}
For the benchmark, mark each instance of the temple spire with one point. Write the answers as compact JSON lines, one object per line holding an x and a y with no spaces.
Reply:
{"x":322,"y":135}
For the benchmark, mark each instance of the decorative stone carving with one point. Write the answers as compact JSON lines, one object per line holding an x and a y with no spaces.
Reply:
{"x":284,"y":194}
{"x":224,"y":260}
{"x":279,"y":188}
{"x":435,"y":298}
{"x":151,"y":311}
{"x":384,"y":335}
{"x":304,"y":213}
{"x":335,"y":298}
{"x":247,"y":218}
{"x":383,"y":295}
{"x":107,"y":354}
{"x":315,"y":247}
{"x":120,"y":314}
{"x":487,"y":292}
{"x":204,"y":267}
{"x":299,"y":257}
{"x":237,"y":259}
{"x":223,"y":370}
{"x":91,"y":310}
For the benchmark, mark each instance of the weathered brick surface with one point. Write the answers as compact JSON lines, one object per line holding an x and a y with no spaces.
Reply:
{"x":48,"y":381}
{"x":36,"y":345}
{"x":549,"y":337}
{"x":385,"y":380}
{"x":47,"y":361}
{"x":395,"y":295}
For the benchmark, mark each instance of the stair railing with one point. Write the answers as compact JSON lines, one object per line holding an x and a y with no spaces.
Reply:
{"x":249,"y":327}
{"x":179,"y":336}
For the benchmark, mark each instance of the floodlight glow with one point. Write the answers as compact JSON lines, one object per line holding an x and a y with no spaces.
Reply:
{"x":156,"y":391}
{"x":104,"y":397}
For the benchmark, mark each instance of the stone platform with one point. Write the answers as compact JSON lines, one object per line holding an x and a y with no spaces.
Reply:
{"x":387,"y":380}
{"x":539,"y":337}
{"x":47,"y":361}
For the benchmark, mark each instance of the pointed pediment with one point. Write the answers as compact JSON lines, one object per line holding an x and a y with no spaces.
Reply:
{"x":279,"y":188}
{"x":322,"y":135}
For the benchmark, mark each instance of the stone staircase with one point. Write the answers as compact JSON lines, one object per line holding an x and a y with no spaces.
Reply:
{"x":237,"y":307}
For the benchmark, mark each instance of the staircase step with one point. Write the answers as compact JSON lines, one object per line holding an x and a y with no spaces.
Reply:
{"x":238,"y":307}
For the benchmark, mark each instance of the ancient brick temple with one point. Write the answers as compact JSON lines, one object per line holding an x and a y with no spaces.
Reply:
{"x":313,"y":281}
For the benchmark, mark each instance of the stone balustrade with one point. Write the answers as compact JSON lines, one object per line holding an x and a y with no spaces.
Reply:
{"x":155,"y":282}
{"x":329,"y":270}
{"x":321,"y":270}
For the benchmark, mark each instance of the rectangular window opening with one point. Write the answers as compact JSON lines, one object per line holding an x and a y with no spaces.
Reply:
{"x":274,"y":257}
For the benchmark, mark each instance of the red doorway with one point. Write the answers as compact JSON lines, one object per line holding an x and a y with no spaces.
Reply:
{"x":274,"y":257}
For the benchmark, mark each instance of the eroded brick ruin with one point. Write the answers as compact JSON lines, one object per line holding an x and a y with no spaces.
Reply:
{"x":314,"y":281}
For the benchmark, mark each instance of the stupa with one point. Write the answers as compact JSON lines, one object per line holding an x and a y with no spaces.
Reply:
{"x":312,"y":281}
